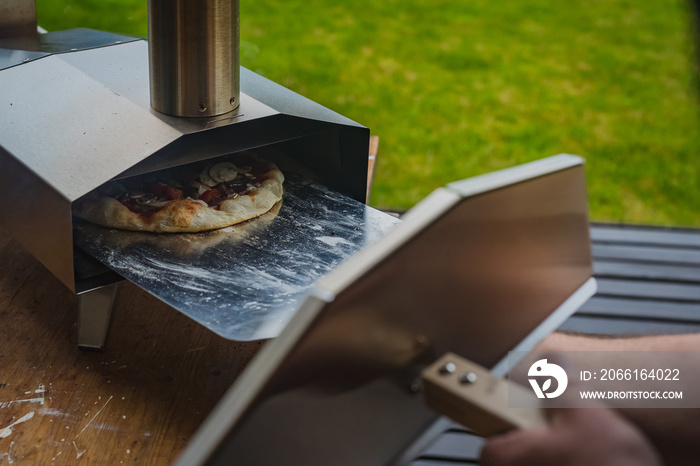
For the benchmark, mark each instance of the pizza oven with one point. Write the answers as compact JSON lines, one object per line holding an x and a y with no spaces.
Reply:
{"x":77,"y":109}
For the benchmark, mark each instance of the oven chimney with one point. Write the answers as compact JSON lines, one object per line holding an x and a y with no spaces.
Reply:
{"x":17,"y":18}
{"x":193,"y":56}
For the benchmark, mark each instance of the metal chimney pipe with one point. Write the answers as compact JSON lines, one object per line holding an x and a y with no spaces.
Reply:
{"x":17,"y":18}
{"x":193,"y":55}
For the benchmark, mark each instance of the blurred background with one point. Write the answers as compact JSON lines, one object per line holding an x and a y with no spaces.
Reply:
{"x":456,"y":88}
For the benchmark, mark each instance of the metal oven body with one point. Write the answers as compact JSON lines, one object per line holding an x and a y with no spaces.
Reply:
{"x":76,"y":112}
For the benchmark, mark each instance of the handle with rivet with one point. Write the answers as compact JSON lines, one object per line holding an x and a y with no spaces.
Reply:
{"x":471,"y":395}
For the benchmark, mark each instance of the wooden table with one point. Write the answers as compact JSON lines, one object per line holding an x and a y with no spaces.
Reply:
{"x":139,"y":401}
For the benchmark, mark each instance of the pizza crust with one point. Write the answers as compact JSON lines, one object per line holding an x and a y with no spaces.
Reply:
{"x":186,"y":216}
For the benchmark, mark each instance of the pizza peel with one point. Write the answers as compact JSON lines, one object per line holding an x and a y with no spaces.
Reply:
{"x":244,"y":282}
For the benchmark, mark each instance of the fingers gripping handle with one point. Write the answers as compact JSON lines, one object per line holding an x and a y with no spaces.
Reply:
{"x":471,"y":395}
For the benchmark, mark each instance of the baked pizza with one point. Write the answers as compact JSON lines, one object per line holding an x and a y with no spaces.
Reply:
{"x":196,"y":197}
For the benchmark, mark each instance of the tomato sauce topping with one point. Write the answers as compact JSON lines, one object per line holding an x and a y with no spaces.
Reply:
{"x":147,"y":195}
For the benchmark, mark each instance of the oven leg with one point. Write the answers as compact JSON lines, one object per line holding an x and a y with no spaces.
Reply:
{"x":95,"y":316}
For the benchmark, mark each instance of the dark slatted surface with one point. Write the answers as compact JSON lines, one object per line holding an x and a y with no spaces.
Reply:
{"x":440,"y":462}
{"x":454,"y":445}
{"x":613,"y":326}
{"x":649,"y":282}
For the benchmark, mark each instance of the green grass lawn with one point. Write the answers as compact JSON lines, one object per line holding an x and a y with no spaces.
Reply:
{"x":459,"y":88}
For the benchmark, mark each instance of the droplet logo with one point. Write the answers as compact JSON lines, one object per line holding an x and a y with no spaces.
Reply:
{"x":541,"y":369}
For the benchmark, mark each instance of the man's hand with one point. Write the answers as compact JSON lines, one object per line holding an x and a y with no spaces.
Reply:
{"x":674,"y":432}
{"x":574,"y":437}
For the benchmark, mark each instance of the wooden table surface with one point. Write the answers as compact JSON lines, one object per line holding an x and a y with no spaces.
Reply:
{"x":140,"y":401}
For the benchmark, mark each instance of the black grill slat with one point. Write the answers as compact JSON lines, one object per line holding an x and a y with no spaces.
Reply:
{"x":641,"y":309}
{"x":648,"y":272}
{"x":637,"y":289}
{"x":671,"y":255}
{"x":627,"y":234}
